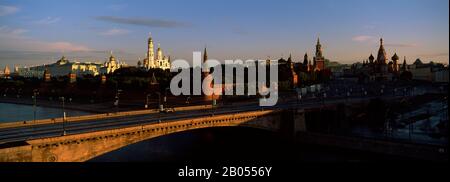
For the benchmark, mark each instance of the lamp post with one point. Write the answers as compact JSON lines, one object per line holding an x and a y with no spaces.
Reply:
{"x":165,"y":96}
{"x":348,"y":95}
{"x":19,"y":92}
{"x":35,"y":93}
{"x":160,"y":107}
{"x":300,"y":98}
{"x":117,"y":100}
{"x":188,"y":100}
{"x":6,"y":91}
{"x":64,"y":115}
{"x":213,"y":103}
{"x":146,"y":103}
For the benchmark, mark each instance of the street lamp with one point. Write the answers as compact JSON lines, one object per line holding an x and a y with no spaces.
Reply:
{"x":35,"y":93}
{"x":146,"y":102}
{"x":6,"y":91}
{"x":117,"y":100}
{"x":64,"y":115}
{"x":160,"y":107}
{"x":348,"y":95}
{"x":188,"y":100}
{"x":213,"y":104}
{"x":165,"y":96}
{"x":19,"y":92}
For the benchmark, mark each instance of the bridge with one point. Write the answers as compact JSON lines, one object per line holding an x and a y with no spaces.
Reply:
{"x":90,"y":136}
{"x":84,"y":146}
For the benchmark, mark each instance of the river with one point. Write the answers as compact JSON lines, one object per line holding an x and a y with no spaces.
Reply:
{"x":232,"y":144}
{"x":18,"y":112}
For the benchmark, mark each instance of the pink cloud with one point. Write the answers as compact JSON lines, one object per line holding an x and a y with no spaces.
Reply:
{"x":15,"y":39}
{"x":65,"y":46}
{"x":7,"y":10}
{"x":362,"y":38}
{"x":115,"y":31}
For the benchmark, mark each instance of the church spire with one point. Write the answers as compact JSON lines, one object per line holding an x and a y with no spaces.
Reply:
{"x":381,"y":57}
{"x":404,"y":64}
{"x":205,"y":55}
{"x":150,"y":51}
{"x":318,"y":48}
{"x":150,"y":37}
{"x":305,"y":59}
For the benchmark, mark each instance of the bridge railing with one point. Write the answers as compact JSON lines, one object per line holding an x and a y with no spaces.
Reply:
{"x":95,"y":116}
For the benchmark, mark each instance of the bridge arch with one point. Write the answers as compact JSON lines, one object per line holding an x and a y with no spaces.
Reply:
{"x":85,"y":146}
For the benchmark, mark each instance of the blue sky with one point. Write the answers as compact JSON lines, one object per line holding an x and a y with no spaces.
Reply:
{"x":39,"y":31}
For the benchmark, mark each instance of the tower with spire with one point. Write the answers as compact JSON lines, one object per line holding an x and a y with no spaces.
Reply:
{"x":150,"y":51}
{"x":319,"y":60}
{"x":205,"y":58}
{"x":381,"y":57}
{"x":294,"y":76}
{"x":304,"y":66}
{"x":404,"y":66}
{"x":381,"y":65}
{"x":150,"y":61}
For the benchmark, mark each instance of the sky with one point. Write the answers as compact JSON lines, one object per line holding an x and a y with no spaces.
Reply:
{"x":34,"y":32}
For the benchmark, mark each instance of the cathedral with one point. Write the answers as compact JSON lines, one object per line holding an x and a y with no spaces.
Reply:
{"x":111,"y":65}
{"x":160,"y":61}
{"x":379,"y":68}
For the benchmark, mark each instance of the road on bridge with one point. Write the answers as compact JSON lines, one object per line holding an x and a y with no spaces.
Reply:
{"x":24,"y":133}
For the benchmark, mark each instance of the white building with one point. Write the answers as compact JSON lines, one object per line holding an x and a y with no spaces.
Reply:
{"x":64,"y":67}
{"x":160,"y":61}
{"x":111,"y":65}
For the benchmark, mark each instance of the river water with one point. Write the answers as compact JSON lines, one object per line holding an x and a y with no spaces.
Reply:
{"x":232,"y":144}
{"x":17,"y":112}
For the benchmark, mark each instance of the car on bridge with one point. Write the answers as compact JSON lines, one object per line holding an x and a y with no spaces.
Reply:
{"x":168,"y":110}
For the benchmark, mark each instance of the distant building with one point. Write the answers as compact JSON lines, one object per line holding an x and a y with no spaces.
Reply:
{"x":160,"y":61}
{"x":378,"y":69}
{"x":64,"y":67}
{"x":428,"y":71}
{"x":441,"y":76}
{"x":47,"y":76}
{"x":110,"y":66}
{"x":6,"y":72}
